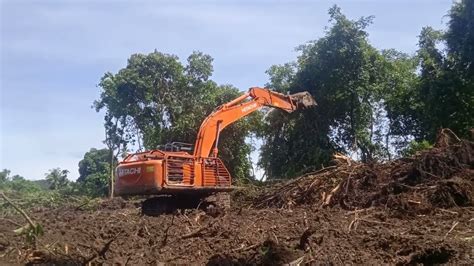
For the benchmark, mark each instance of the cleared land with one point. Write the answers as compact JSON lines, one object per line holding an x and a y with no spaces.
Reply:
{"x":412,"y":210}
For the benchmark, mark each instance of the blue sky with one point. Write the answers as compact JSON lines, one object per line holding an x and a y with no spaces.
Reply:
{"x":53,"y":54}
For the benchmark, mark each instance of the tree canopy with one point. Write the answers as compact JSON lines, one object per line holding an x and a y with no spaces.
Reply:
{"x":94,"y":172}
{"x":442,"y":92}
{"x":57,"y":178}
{"x":156,"y":99}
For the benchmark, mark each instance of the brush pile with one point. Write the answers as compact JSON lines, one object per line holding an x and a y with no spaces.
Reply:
{"x":441,"y":177}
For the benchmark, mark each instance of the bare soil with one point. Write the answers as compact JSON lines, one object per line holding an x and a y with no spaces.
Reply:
{"x":416,"y":210}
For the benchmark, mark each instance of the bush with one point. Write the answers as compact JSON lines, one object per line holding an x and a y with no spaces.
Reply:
{"x":416,"y":146}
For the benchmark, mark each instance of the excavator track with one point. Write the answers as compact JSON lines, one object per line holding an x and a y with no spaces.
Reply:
{"x":158,"y":205}
{"x":219,"y":200}
{"x":213,"y":204}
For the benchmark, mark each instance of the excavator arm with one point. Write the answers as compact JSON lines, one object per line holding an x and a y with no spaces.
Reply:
{"x":242,"y":106}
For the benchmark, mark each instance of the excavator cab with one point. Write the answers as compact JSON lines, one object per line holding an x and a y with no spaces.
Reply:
{"x":170,"y":172}
{"x":177,"y":146}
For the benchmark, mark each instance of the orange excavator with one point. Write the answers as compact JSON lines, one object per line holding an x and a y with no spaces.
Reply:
{"x":182,"y":179}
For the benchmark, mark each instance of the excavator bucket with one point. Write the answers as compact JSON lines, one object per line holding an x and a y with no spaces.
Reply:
{"x":303,"y":100}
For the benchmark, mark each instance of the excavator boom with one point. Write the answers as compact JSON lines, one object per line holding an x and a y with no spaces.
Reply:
{"x":242,"y":106}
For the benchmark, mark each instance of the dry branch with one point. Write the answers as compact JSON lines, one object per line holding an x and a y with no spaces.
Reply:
{"x":198,"y":232}
{"x":452,"y":228}
{"x":102,"y":251}
{"x":304,"y":239}
{"x":165,"y":238}
{"x":22,"y":212}
{"x":244,"y":248}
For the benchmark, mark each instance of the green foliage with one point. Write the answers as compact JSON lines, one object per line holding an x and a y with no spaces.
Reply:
{"x":32,"y":194}
{"x":94,"y":173}
{"x":281,"y":77}
{"x":22,"y":185}
{"x":459,"y":73}
{"x":28,"y":200}
{"x":156,"y":99}
{"x":460,"y":38}
{"x":17,"y":183}
{"x":416,"y":146}
{"x":4,"y":175}
{"x":57,"y":179}
{"x":343,"y":73}
{"x":399,"y":100}
{"x":442,"y":95}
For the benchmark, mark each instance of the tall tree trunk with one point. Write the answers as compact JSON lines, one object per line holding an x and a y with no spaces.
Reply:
{"x":112,"y":175}
{"x":387,"y":144}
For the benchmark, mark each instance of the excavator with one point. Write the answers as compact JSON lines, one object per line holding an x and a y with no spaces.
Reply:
{"x":180,"y":176}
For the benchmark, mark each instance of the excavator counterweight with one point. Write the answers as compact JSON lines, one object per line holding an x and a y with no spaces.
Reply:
{"x":177,"y":173}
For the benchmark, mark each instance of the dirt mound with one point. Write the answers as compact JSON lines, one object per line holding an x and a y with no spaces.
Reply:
{"x":441,"y":177}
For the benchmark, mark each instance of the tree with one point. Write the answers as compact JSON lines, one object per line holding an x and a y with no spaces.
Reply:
{"x":430,"y":90}
{"x":344,"y":74}
{"x":94,"y":172}
{"x":460,"y":68}
{"x":4,"y":175}
{"x":156,"y":99}
{"x":443,"y":94}
{"x":116,"y":143}
{"x":435,"y":89}
{"x":281,"y":77}
{"x":460,"y":38}
{"x":57,"y":178}
{"x":400,"y":102}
